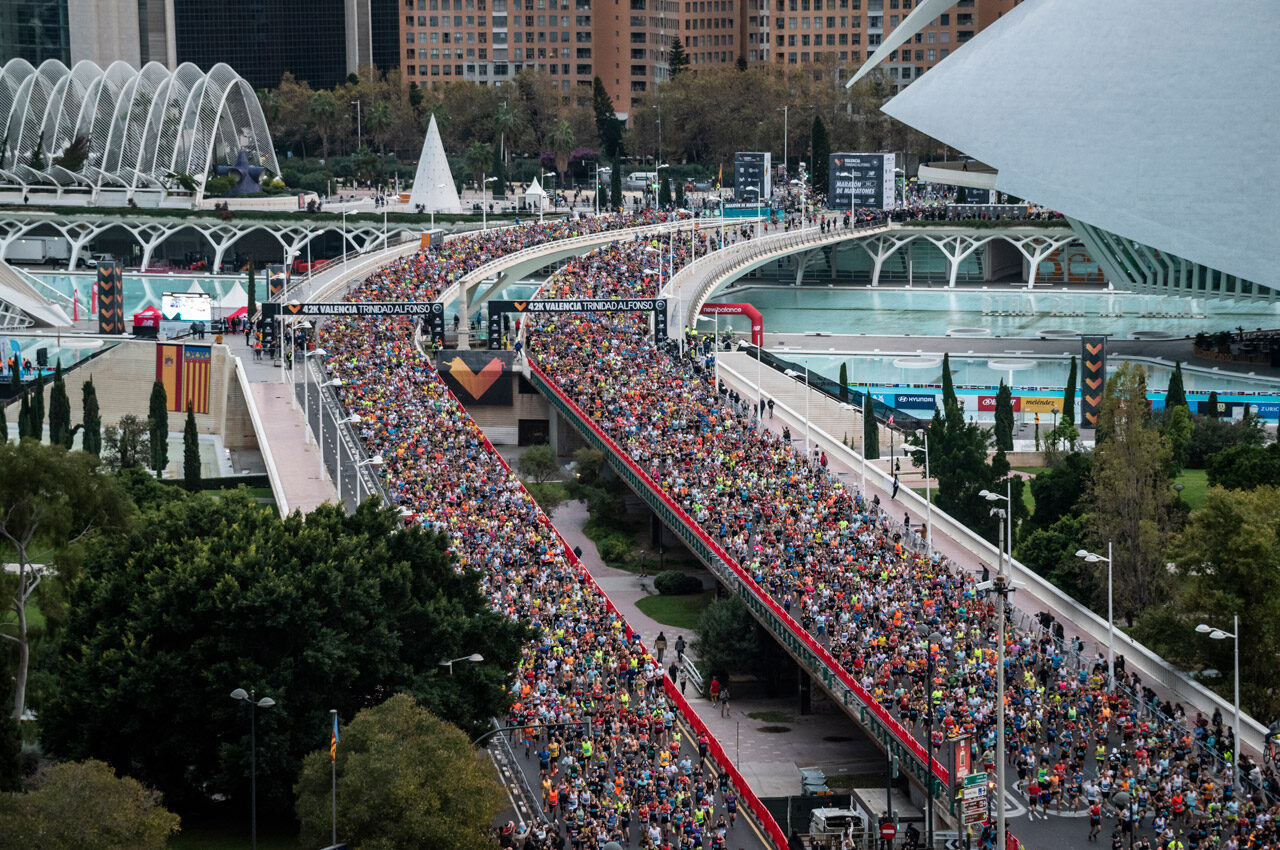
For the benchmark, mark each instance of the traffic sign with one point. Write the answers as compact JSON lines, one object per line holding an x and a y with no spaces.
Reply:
{"x":972,"y":779}
{"x":888,"y":831}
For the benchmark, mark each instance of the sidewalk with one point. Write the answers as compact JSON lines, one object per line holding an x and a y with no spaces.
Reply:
{"x":770,"y":760}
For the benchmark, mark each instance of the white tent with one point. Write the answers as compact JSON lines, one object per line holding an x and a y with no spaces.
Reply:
{"x":535,"y":194}
{"x":433,"y":187}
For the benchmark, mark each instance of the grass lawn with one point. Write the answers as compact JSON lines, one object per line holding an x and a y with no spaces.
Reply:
{"x":1195,"y":482}
{"x":682,"y":612}
{"x":206,"y":836}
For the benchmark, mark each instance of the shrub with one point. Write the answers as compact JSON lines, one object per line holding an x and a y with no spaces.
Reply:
{"x":676,"y":583}
{"x":615,"y":548}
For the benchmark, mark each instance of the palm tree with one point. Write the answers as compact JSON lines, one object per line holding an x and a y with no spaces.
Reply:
{"x":324,"y":114}
{"x":507,"y":120}
{"x":378,"y":119}
{"x":562,"y":142}
{"x":477,"y":158}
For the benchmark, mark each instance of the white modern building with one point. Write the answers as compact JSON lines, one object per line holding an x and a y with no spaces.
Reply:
{"x":152,"y":136}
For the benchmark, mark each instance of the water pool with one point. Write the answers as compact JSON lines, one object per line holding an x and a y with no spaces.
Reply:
{"x":228,"y":292}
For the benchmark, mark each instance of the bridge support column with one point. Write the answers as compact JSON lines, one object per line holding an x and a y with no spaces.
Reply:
{"x":956,"y":248}
{"x":806,"y":692}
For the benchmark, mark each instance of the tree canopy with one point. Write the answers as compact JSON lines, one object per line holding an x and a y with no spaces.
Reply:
{"x":210,"y":594}
{"x":405,"y":778}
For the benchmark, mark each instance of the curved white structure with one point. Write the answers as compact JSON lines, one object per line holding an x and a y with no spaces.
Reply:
{"x":140,"y":125}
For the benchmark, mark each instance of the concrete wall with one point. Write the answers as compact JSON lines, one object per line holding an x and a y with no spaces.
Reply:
{"x":502,"y":424}
{"x":123,"y":377}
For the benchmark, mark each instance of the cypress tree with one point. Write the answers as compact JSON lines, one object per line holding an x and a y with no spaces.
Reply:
{"x":191,"y":452}
{"x":1069,"y":396}
{"x":603,"y":202}
{"x":1004,"y":418}
{"x":24,"y":418}
{"x":664,"y":192}
{"x":821,"y":153}
{"x":615,"y":183}
{"x":59,"y":411}
{"x":949,"y":399}
{"x":92,"y":439}
{"x":844,"y":382}
{"x":36,"y":425}
{"x":4,"y":426}
{"x":1213,"y":404}
{"x":679,"y":193}
{"x":1177,"y":395}
{"x":158,"y":424}
{"x":870,"y":429}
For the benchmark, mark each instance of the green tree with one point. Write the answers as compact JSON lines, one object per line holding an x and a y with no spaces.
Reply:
{"x":498,"y":169}
{"x":477,"y":160}
{"x":615,"y":183}
{"x":821,"y":154}
{"x":844,"y":382}
{"x":128,"y":444}
{"x":4,"y":424}
{"x":24,"y":418}
{"x":85,"y":806}
{"x":729,"y":639}
{"x":677,"y":59}
{"x":324,"y":117}
{"x":36,"y":423}
{"x":608,"y":127}
{"x":1061,"y":490}
{"x":664,"y":192}
{"x":679,"y":193}
{"x":191,"y":452}
{"x":949,"y":398}
{"x":1245,"y":467}
{"x":92,"y":438}
{"x":1050,"y":551}
{"x":870,"y":428}
{"x":604,"y":202}
{"x":158,"y":428}
{"x":51,"y":503}
{"x":1177,"y":395}
{"x":1210,"y":435}
{"x":211,"y":593}
{"x":1178,"y":429}
{"x":588,"y":464}
{"x":1004,"y":418}
{"x":539,"y":463}
{"x":562,"y":140}
{"x":1131,"y":491}
{"x":1069,"y":395}
{"x":405,"y":777}
{"x":1212,"y":404}
{"x":59,"y":411}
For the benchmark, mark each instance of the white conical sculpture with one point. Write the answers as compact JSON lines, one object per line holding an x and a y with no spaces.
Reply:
{"x":433,"y":188}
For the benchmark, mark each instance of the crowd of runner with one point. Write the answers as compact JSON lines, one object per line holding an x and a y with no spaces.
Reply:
{"x":631,"y":776}
{"x":828,"y":556}
{"x":834,"y":561}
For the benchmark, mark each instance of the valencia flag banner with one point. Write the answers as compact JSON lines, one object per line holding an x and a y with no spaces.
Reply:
{"x":197,"y":361}
{"x":169,"y":373}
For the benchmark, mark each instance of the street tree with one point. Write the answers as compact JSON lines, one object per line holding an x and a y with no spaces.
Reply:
{"x":127,"y":444}
{"x":615,"y":183}
{"x":539,"y":463}
{"x":191,"y":452}
{"x":158,"y":428}
{"x":59,"y":411}
{"x":405,"y":777}
{"x":85,"y":806}
{"x":91,"y":440}
{"x":729,"y":639}
{"x":52,"y":501}
{"x":949,"y":399}
{"x":24,"y":418}
{"x":1069,"y":395}
{"x":1004,"y":417}
{"x":608,"y":127}
{"x":844,"y":382}
{"x":1177,"y":395}
{"x":208,"y":593}
{"x":677,"y":58}
{"x":477,"y":159}
{"x":1131,"y":492}
{"x":563,"y":140}
{"x":870,"y":428}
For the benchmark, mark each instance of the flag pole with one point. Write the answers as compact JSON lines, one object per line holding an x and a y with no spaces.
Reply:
{"x":333,"y":769}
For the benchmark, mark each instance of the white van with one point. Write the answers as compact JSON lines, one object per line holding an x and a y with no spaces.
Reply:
{"x":639,"y":180}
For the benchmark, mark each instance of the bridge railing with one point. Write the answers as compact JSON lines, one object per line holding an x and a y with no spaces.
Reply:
{"x":856,"y":699}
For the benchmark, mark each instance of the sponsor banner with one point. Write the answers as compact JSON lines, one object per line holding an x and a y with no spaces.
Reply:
{"x":1093,"y":377}
{"x":860,"y":180}
{"x":915,"y":401}
{"x":498,"y":309}
{"x":478,"y":377}
{"x":987,"y":404}
{"x":752,"y":170}
{"x":1267,"y":411}
{"x":1038,"y":404}
{"x":432,"y":312}
{"x":1224,"y":409}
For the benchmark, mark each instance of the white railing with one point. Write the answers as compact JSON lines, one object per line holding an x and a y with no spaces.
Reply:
{"x":1155,"y":671}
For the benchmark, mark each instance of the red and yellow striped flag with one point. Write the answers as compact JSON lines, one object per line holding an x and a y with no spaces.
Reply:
{"x":196,"y":361}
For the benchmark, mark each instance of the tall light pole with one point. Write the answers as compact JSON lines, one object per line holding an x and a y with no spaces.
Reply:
{"x":374,"y":461}
{"x":474,"y":657}
{"x":344,"y":240}
{"x":1091,"y":558}
{"x":792,"y":373}
{"x":1219,"y":634}
{"x":254,"y":705}
{"x":359,"y":134}
{"x":1001,"y":588}
{"x":928,"y":495}
{"x":333,"y":773}
{"x":783,"y":110}
{"x":306,"y":389}
{"x":484,"y":201}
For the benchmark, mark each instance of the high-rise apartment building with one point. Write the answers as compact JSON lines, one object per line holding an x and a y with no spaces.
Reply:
{"x":34,"y":30}
{"x":627,"y":42}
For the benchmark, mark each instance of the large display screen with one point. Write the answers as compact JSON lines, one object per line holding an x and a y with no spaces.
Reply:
{"x":863,"y":180}
{"x":186,"y":307}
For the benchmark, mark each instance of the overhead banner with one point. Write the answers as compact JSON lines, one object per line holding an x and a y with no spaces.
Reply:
{"x":860,"y":180}
{"x":431,"y":312}
{"x":656,"y":306}
{"x":752,"y":171}
{"x":1093,"y":360}
{"x":110,"y":299}
{"x":478,"y":377}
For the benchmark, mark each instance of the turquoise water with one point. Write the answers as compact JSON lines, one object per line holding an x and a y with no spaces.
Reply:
{"x":932,"y":312}
{"x":228,"y":291}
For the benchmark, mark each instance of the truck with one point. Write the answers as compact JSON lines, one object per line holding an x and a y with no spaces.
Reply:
{"x":826,"y":824}
{"x":38,"y":251}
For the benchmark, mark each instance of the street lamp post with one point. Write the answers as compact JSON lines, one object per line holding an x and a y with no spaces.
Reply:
{"x":1219,"y":634}
{"x":928,"y":496}
{"x":792,"y":373}
{"x":306,"y":389}
{"x":484,"y":202}
{"x":333,"y":778}
{"x":375,"y":461}
{"x":1001,"y":588}
{"x":1092,"y":558}
{"x":924,"y":631}
{"x":474,"y":657}
{"x":254,"y":705}
{"x":783,"y":110}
